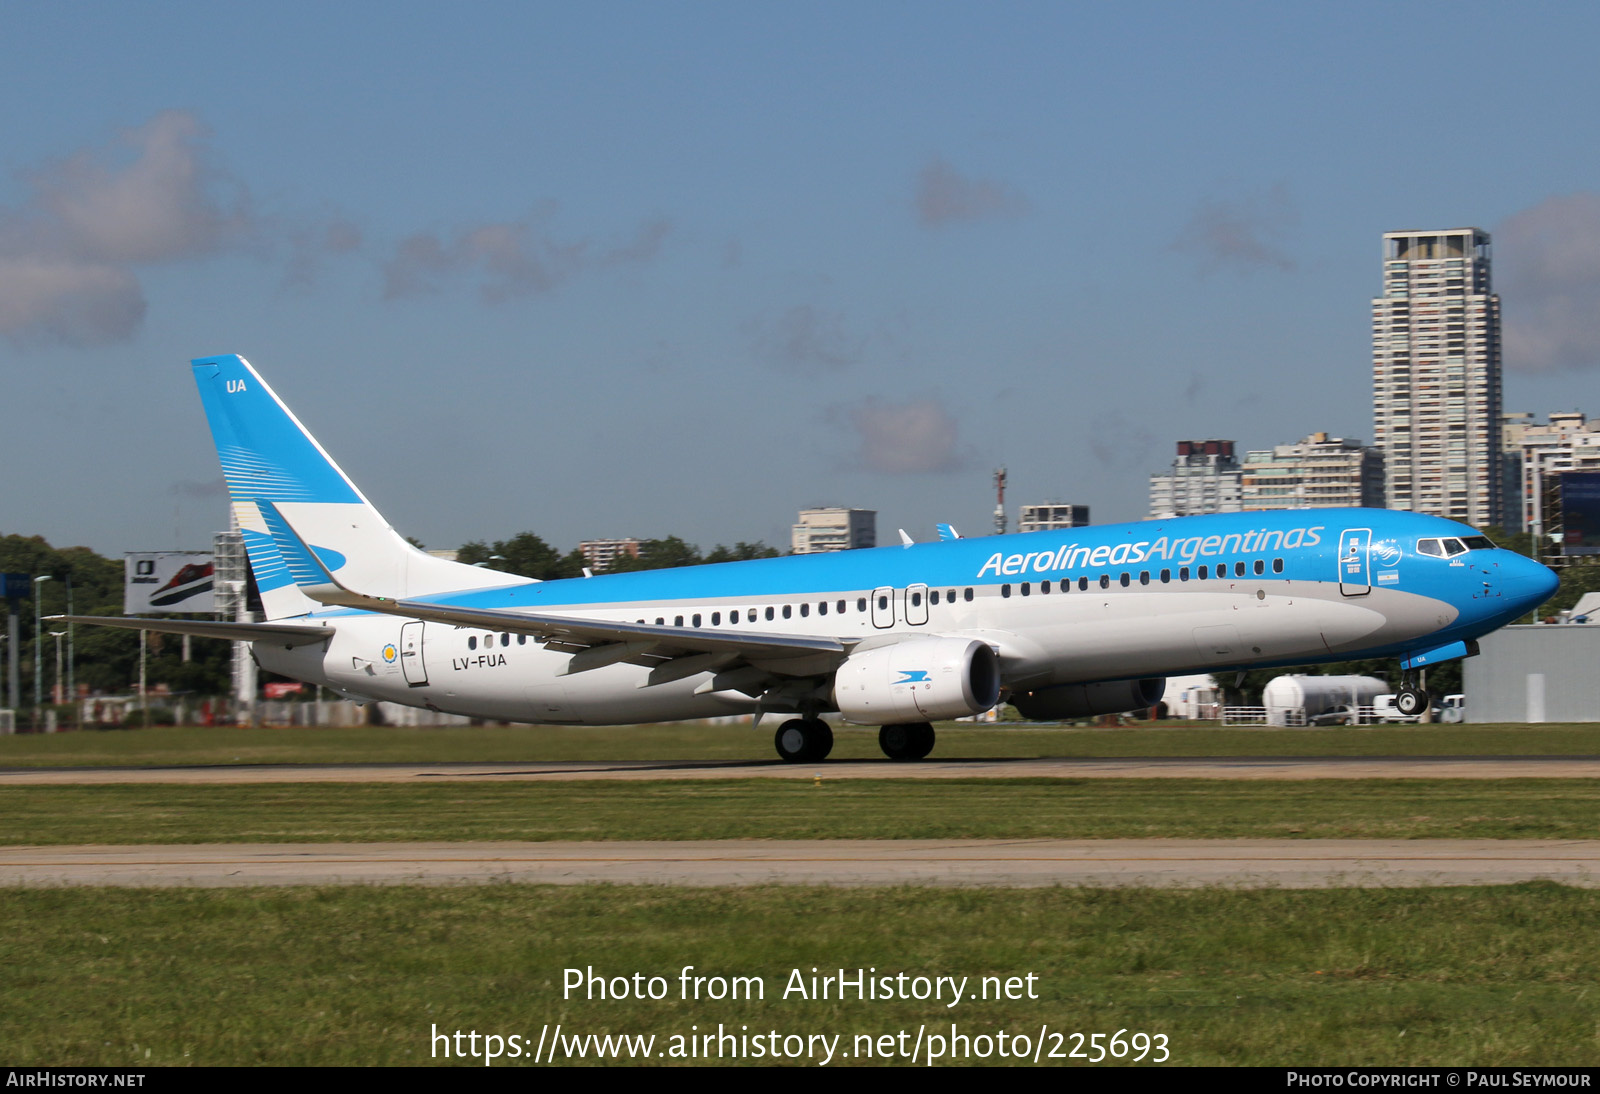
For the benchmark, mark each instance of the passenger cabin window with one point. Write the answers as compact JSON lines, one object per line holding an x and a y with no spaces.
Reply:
{"x":505,"y":640}
{"x":769,"y":613}
{"x":1238,"y":569}
{"x":1166,"y":576}
{"x":883,"y":603}
{"x":1261,"y":567}
{"x":933,"y":598}
{"x":788,"y":610}
{"x":840,"y":607}
{"x":916,"y":600}
{"x":697,"y":619}
{"x":716,"y":619}
{"x":805,"y":611}
{"x":861,"y":603}
{"x":1144,"y":577}
{"x":1027,"y":588}
{"x":1204,"y":573}
{"x":1277,"y":565}
{"x":1105,"y":581}
{"x":472,"y":641}
{"x":1183,"y":573}
{"x":1124,"y":580}
{"x":968,"y":596}
{"x":733,"y":616}
{"x":677,"y":621}
{"x":1005,"y":590}
{"x":1044,"y":587}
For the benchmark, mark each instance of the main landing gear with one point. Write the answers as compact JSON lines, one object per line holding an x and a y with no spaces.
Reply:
{"x":1412,"y":699}
{"x":909,"y":741}
{"x":803,"y":740}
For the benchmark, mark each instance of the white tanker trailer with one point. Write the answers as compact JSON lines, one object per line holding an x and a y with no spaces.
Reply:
{"x":1318,"y":700}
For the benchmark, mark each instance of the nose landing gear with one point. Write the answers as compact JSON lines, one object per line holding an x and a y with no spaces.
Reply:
{"x":1412,"y":699}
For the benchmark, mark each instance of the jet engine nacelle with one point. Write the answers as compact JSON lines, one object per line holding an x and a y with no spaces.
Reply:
{"x":918,"y":680}
{"x":1086,"y":700}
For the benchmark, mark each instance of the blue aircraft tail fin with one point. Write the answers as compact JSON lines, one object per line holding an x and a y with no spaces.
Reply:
{"x":272,"y":464}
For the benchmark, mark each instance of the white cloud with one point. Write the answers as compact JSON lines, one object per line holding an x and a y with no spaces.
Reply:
{"x":946,"y":196}
{"x":903,"y":438}
{"x":56,"y":298}
{"x":805,"y":337}
{"x":509,"y":258}
{"x":1547,"y":272}
{"x":69,"y":255}
{"x":1243,"y":233}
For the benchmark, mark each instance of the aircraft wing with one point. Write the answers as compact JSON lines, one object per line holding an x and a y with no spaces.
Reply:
{"x":566,"y":632}
{"x":673,"y":652}
{"x":287,"y":634}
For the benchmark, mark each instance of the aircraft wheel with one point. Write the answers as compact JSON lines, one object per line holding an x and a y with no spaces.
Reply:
{"x":803,"y":740}
{"x":1411,"y":702}
{"x":908,"y":741}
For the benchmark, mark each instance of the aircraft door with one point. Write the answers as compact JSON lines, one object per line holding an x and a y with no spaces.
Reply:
{"x":917,"y":605}
{"x":883,"y":607}
{"x":1355,"y":566}
{"x":411,"y":661}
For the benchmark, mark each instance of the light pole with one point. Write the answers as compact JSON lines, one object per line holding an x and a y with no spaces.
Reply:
{"x":56,"y":694}
{"x":38,"y":643}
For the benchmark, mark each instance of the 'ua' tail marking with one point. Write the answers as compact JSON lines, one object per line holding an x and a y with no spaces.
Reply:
{"x":271,"y":462}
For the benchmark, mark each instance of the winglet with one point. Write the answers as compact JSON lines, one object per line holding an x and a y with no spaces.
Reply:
{"x":310,"y":573}
{"x":947,"y":531}
{"x":905,"y":540}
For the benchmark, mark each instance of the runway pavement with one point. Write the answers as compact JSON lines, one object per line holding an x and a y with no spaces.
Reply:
{"x":1292,"y":864}
{"x":1244,"y":767}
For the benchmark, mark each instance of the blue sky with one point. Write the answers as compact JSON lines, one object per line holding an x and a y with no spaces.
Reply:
{"x":682,"y":269}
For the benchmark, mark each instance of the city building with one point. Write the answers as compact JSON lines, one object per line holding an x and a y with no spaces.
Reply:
{"x":1204,"y":479}
{"x":599,"y":554}
{"x":1042,"y":518}
{"x":1539,"y":452}
{"x":1436,"y":380}
{"x":1318,"y":471}
{"x":822,"y":530}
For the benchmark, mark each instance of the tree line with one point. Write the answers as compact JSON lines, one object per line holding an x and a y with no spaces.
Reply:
{"x":107,"y":660}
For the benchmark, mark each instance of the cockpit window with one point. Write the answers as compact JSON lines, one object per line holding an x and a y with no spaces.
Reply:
{"x":1449,"y":548}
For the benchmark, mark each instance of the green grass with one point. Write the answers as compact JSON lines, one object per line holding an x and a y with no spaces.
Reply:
{"x":354,"y":975}
{"x":797,"y":809}
{"x":188,"y":745}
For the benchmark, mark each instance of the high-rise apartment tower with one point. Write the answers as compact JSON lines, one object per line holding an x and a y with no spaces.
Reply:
{"x":1436,"y":375}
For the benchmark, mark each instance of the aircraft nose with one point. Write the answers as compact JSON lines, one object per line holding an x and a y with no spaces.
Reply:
{"x":1528,"y":583}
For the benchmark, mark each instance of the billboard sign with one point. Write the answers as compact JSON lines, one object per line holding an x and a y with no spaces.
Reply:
{"x":168,"y":581}
{"x":1580,"y":512}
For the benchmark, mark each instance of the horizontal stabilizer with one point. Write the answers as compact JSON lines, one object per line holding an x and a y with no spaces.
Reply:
{"x":208,"y":628}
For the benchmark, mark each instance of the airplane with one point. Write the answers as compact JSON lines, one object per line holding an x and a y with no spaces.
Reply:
{"x":1061,"y":624}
